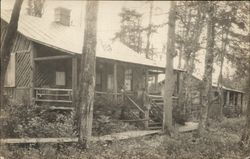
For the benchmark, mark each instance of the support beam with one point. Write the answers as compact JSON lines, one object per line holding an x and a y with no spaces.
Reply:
{"x":33,"y":54}
{"x":146,"y":80}
{"x":178,"y":83}
{"x":239,"y":102}
{"x":156,"y":82}
{"x":234,"y":97}
{"x":115,"y":82}
{"x":53,"y":58}
{"x":228,"y":98}
{"x":74,"y":80}
{"x":145,"y":100}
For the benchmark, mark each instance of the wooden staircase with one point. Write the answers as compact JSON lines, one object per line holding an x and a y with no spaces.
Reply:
{"x":155,"y":112}
{"x":152,"y":118}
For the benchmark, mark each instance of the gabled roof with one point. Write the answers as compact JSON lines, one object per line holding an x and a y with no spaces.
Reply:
{"x":70,"y":40}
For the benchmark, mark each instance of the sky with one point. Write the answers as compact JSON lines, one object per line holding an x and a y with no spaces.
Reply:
{"x":109,"y":22}
{"x":108,"y":15}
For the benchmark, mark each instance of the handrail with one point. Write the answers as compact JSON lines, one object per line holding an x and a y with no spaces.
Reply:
{"x":159,"y":96}
{"x":113,"y":93}
{"x":156,"y":96}
{"x":53,"y":95}
{"x":137,"y":106}
{"x":53,"y":89}
{"x":156,"y":106}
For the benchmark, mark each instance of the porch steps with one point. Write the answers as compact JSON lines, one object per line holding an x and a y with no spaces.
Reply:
{"x":156,"y":112}
{"x":154,"y":126}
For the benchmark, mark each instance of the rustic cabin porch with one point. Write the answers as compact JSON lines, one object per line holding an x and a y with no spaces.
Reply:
{"x":233,"y":102}
{"x":132,"y":88}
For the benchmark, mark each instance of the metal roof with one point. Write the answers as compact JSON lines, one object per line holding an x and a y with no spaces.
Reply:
{"x":227,"y":88}
{"x":70,"y":39}
{"x":215,"y":84}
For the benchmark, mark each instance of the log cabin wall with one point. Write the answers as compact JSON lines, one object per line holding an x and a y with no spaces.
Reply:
{"x":19,"y":93}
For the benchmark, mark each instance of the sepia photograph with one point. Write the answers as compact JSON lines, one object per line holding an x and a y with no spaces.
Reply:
{"x":99,"y":79}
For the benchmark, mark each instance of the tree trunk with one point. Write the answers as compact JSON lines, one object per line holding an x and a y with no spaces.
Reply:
{"x":207,"y":78}
{"x":169,"y":74}
{"x":191,"y":32}
{"x":149,"y":29}
{"x":87,"y":74}
{"x":245,"y":138}
{"x":8,"y":42}
{"x":220,"y":79}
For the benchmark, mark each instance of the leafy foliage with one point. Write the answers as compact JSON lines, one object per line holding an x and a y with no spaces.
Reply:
{"x":132,"y":32}
{"x":35,"y":7}
{"x":35,"y":121}
{"x":220,"y":142}
{"x":131,"y":29}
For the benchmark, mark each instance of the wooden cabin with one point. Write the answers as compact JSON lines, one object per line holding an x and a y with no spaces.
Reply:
{"x":232,"y":99}
{"x":45,"y":64}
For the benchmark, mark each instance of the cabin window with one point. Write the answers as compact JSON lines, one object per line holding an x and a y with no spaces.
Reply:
{"x":60,"y":78}
{"x":10,"y":75}
{"x":128,"y":80}
{"x":110,"y":82}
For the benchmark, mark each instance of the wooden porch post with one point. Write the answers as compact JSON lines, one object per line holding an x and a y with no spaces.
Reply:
{"x":74,"y":80}
{"x":33,"y":54}
{"x":228,"y":98}
{"x":178,"y":83}
{"x":156,"y":82}
{"x":115,"y":82}
{"x":146,"y":100}
{"x":234,"y":97}
{"x":238,"y":102}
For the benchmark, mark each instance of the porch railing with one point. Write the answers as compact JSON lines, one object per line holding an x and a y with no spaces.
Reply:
{"x":55,"y":95}
{"x":58,"y":95}
{"x":109,"y":97}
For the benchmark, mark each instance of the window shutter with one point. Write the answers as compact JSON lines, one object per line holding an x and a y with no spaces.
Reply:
{"x":10,"y":76}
